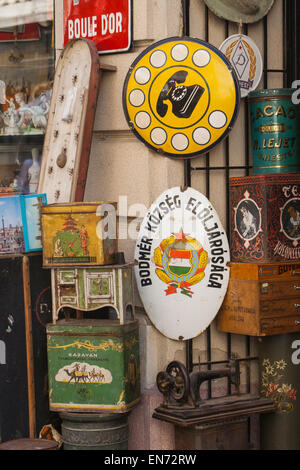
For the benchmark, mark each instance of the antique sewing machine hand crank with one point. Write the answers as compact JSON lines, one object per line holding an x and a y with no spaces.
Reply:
{"x":176,"y":384}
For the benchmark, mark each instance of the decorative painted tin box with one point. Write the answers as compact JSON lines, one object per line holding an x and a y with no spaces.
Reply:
{"x":79,"y":234}
{"x":265,"y":218}
{"x":93,"y":366}
{"x":262,"y":299}
{"x":92,"y":288}
{"x":20,"y":229}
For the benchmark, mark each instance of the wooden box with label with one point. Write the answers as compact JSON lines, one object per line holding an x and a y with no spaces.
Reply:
{"x":262,"y":299}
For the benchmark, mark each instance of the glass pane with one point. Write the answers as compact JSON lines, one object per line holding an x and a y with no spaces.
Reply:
{"x":26,"y":79}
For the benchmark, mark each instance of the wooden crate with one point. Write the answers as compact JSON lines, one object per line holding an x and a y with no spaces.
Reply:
{"x":262,"y":299}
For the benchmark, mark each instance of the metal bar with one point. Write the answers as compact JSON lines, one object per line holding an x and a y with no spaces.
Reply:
{"x":209,"y":362}
{"x":276,"y":70}
{"x":236,"y":167}
{"x":239,"y":359}
{"x":296,"y":40}
{"x":246,"y":117}
{"x":284,"y":26}
{"x":291,"y":44}
{"x":291,"y":14}
{"x":189,"y":355}
{"x":187,"y":172}
{"x":297,"y":36}
{"x":265,"y":23}
{"x":208,"y":330}
{"x":227,"y":163}
{"x":185,"y":17}
{"x":247,"y":164}
{"x":187,"y":175}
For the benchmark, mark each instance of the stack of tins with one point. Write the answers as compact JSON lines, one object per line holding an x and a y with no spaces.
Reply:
{"x":263,"y":297}
{"x":93,"y":352}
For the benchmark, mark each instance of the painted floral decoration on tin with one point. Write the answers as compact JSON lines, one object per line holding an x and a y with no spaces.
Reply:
{"x":282,"y":394}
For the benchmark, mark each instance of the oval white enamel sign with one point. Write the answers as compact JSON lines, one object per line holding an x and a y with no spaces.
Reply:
{"x":182,"y":256}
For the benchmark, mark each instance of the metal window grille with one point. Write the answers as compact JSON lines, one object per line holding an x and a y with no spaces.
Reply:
{"x":288,"y":73}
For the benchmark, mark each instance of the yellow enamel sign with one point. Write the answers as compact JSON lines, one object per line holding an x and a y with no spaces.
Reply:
{"x":181,"y":97}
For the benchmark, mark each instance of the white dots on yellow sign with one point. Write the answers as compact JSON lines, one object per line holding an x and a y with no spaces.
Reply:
{"x":181,"y":97}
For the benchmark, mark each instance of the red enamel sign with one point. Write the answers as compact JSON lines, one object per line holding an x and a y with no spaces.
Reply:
{"x":106,"y":22}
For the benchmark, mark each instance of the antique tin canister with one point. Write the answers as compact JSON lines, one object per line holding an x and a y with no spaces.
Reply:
{"x":93,"y":366}
{"x":275,"y":140}
{"x":94,"y":431}
{"x":265,"y":218}
{"x":279,"y":360}
{"x":79,"y":234}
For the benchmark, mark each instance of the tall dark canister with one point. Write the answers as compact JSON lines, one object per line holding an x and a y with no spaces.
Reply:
{"x":275,"y":138}
{"x":279,"y":358}
{"x":94,"y":431}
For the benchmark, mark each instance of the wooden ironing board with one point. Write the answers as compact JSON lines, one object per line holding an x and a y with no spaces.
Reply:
{"x":68,"y":136}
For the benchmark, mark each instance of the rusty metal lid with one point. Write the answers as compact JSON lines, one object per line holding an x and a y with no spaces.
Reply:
{"x":29,"y":444}
{"x":76,"y":207}
{"x":271,"y":92}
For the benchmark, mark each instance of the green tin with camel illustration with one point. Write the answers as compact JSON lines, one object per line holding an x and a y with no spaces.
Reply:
{"x":93,"y":366}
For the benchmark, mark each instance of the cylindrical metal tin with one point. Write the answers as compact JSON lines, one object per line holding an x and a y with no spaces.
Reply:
{"x":279,"y":358}
{"x":275,"y":140}
{"x":85,"y":431}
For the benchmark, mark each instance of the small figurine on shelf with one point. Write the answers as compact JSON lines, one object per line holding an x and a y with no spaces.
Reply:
{"x":10,"y":117}
{"x":34,"y":171}
{"x":14,"y":185}
{"x":2,"y":92}
{"x":38,"y":109}
{"x":24,"y":117}
{"x":28,"y":177}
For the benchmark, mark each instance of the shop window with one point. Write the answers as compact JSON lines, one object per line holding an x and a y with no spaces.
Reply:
{"x":26,"y":78}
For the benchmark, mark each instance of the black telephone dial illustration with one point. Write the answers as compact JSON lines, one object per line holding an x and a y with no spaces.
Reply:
{"x":183,"y":98}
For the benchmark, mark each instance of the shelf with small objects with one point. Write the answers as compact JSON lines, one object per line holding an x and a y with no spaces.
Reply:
{"x":26,"y":78}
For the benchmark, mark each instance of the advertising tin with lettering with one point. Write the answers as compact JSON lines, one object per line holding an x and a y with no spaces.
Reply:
{"x":265,"y":218}
{"x":93,"y":365}
{"x":274,"y":121}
